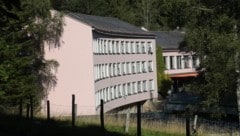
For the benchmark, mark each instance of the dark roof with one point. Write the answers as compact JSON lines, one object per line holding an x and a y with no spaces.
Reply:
{"x":169,"y":39}
{"x":110,"y":25}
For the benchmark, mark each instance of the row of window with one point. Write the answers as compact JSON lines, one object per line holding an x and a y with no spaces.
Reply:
{"x":109,"y":46}
{"x":123,"y":90}
{"x":102,"y":71}
{"x":181,"y":62}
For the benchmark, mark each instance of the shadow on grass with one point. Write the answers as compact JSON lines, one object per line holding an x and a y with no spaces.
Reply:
{"x":15,"y":126}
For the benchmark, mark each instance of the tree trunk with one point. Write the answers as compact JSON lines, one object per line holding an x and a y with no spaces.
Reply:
{"x":238,"y":92}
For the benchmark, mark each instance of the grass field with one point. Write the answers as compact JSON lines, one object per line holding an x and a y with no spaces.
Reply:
{"x":14,"y":126}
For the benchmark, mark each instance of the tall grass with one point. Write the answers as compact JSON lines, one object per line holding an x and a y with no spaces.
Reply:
{"x":118,"y":123}
{"x":173,"y":126}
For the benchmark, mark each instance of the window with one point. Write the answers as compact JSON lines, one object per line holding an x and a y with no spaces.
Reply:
{"x":133,"y":50}
{"x":127,"y":47}
{"x":165,"y":58}
{"x":179,"y":62}
{"x":186,"y":61}
{"x":151,"y":85}
{"x":129,"y":88}
{"x":139,"y":86}
{"x":139,"y":69}
{"x":104,"y":95}
{"x":124,"y":90}
{"x":133,"y":67}
{"x":171,"y":62}
{"x":144,"y":85}
{"x":144,"y":66}
{"x":150,"y":66}
{"x":150,"y":50}
{"x":134,"y":87}
{"x":111,"y":93}
{"x":119,"y":69}
{"x":100,"y":71}
{"x":143,"y":47}
{"x":107,"y":94}
{"x":99,"y":47}
{"x":106,"y":70}
{"x":138,"y":47}
{"x":110,"y":70}
{"x":104,"y":47}
{"x":103,"y":71}
{"x":128,"y":68}
{"x":118,"y":47}
{"x":124,"y":71}
{"x":116,"y":91}
{"x":115,"y":73}
{"x":114,"y":47}
{"x":123,"y":47}
{"x":109,"y":47}
{"x":120,"y":93}
{"x":194,"y":61}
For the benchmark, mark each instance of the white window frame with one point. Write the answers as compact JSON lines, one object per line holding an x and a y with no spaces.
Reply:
{"x":119,"y":91}
{"x":151,"y":85}
{"x":111,"y":92}
{"x":150,"y":47}
{"x":138,"y":48}
{"x":139,"y":67}
{"x":109,"y":46}
{"x":143,"y":47}
{"x":132,"y":47}
{"x":150,"y":66}
{"x":145,"y":87}
{"x":144,"y":66}
{"x":119,"y":69}
{"x":139,"y":86}
{"x":134,"y":67}
{"x":124,"y":72}
{"x":123,"y":47}
{"x":115,"y":91}
{"x":127,"y":47}
{"x":118,"y":47}
{"x":129,"y":88}
{"x":108,"y":93}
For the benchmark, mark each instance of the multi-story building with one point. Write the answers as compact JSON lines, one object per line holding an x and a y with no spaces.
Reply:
{"x":102,"y":58}
{"x":180,"y":65}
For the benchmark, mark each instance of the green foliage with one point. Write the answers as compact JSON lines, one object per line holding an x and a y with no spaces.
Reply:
{"x":163,"y":80}
{"x":213,"y":34}
{"x":152,"y":14}
{"x":24,"y":72}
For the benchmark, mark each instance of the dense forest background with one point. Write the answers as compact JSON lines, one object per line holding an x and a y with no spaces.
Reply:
{"x":152,"y":14}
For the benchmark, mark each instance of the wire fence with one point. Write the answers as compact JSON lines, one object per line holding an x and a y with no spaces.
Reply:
{"x":169,"y":123}
{"x":153,"y":121}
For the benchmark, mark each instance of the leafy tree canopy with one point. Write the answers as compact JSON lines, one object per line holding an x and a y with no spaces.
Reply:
{"x":24,"y":72}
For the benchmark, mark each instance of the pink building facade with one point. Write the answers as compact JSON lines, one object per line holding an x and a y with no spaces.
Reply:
{"x":101,"y":58}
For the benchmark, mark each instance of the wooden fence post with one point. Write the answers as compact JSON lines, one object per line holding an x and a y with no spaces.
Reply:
{"x":102,"y":114}
{"x":48,"y":110}
{"x":20,"y":108}
{"x":138,"y":119}
{"x":31,"y":107}
{"x":195,"y":124}
{"x":187,"y":122}
{"x":73,"y":110}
